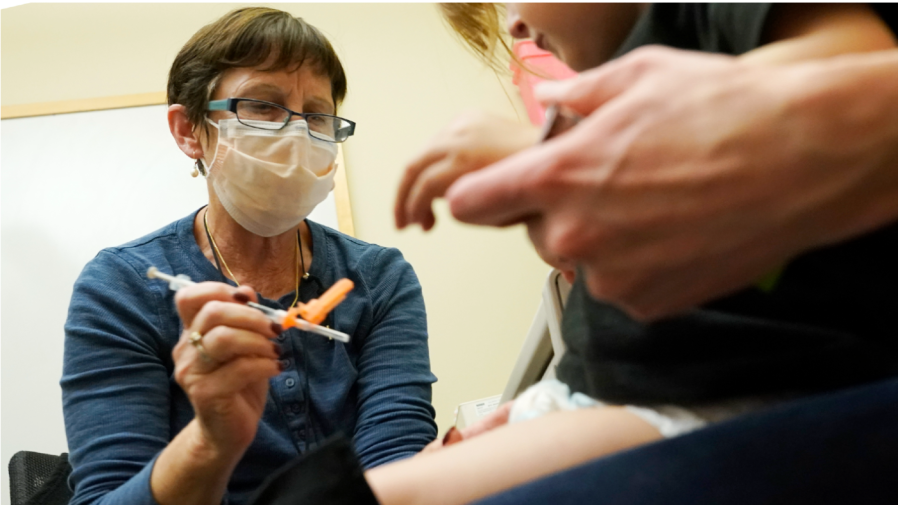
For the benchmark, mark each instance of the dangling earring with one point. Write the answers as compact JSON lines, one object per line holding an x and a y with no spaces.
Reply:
{"x":198,"y":168}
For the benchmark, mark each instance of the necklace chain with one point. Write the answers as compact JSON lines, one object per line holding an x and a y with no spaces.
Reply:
{"x":297,"y":257}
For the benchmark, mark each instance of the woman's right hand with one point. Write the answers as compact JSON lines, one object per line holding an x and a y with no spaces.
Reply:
{"x":472,"y":141}
{"x":227,"y":387}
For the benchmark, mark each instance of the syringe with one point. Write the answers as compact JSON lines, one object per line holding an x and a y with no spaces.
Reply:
{"x":282,"y":317}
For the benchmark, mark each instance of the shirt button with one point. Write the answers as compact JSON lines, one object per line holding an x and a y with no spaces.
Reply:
{"x":285,"y":363}
{"x":282,"y":337}
{"x":290,"y":382}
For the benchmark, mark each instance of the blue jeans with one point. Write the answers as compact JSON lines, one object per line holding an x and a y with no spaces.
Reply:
{"x":837,"y":448}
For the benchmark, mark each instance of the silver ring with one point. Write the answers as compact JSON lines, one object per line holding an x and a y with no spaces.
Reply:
{"x":196,"y":339}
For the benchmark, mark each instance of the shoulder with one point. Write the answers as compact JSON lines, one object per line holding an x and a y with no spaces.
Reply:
{"x":735,"y":28}
{"x":719,"y":28}
{"x":160,"y":241}
{"x":383,"y":277}
{"x":124,"y":267}
{"x":169,"y":244}
{"x":370,"y":261}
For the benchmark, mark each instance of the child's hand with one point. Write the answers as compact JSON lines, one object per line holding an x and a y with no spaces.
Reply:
{"x":471,"y":142}
{"x":495,"y":419}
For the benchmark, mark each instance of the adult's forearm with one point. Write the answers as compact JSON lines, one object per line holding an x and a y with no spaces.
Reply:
{"x":847,"y":108}
{"x":190,"y":472}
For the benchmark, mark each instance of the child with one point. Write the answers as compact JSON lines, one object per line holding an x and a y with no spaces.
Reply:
{"x":735,"y":354}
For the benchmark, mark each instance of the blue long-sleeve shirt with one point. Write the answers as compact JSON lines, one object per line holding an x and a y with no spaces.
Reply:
{"x":122,"y":405}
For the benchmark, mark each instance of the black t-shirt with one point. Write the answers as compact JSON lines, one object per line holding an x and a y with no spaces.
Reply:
{"x":829,"y":320}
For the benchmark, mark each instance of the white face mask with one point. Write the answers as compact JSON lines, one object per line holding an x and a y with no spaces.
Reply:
{"x":270,"y":180}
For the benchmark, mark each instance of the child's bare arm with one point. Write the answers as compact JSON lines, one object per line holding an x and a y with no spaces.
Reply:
{"x":797,"y":32}
{"x":508,"y":456}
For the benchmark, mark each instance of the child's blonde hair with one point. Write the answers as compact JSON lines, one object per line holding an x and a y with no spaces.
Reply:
{"x":480,"y":27}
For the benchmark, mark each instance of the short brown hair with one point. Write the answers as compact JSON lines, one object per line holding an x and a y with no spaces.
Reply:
{"x":479,"y":25}
{"x":247,"y":37}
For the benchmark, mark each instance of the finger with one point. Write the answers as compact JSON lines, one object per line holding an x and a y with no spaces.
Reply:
{"x":412,"y":171}
{"x":432,"y":183}
{"x":493,"y":420}
{"x":593,"y":88}
{"x":507,"y":191}
{"x":189,"y":300}
{"x":224,"y":344}
{"x":217,"y":313}
{"x":583,"y":94}
{"x":232,"y":377}
{"x":245,"y":294}
{"x":428,"y":221}
{"x":453,"y":436}
{"x":537,"y":231}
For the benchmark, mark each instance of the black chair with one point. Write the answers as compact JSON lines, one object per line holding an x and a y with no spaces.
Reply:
{"x":39,"y":479}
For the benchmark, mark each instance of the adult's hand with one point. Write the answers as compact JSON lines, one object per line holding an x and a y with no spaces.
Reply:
{"x":695,"y":175}
{"x":472,"y":141}
{"x":226,"y":381}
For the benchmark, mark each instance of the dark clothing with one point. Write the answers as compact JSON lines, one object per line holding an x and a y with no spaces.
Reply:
{"x":827,"y":322}
{"x":330,"y":474}
{"x":711,"y":28}
{"x":833,"y":449}
{"x":122,"y":404}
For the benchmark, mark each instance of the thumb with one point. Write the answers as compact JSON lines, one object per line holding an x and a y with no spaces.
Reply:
{"x":586,"y":92}
{"x":595,"y":87}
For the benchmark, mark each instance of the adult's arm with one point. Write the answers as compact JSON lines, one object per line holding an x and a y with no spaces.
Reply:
{"x":116,"y":391}
{"x":115,"y":384}
{"x":395,"y":417}
{"x":670,"y":195}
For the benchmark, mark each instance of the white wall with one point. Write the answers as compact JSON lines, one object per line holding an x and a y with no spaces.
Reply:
{"x":408,"y":76}
{"x":110,"y":192}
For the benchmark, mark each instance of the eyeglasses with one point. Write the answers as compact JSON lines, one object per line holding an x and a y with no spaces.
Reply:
{"x":321,"y":126}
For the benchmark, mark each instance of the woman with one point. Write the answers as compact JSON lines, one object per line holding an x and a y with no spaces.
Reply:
{"x":194,"y":397}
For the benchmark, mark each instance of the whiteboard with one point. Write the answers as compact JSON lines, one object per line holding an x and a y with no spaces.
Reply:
{"x":73,"y":184}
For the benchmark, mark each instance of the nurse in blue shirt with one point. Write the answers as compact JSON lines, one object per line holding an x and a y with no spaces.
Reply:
{"x":195,"y":398}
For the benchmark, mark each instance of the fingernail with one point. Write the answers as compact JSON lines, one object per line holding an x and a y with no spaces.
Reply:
{"x":551,"y":89}
{"x":277,"y":329}
{"x":549,"y":86}
{"x":277,"y":349}
{"x":448,"y":435}
{"x":240,"y":297}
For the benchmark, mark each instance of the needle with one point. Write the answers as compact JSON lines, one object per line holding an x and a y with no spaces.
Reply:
{"x":282,"y":317}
